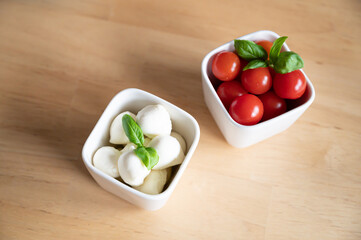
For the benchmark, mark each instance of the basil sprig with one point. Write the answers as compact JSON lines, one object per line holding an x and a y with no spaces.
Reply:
{"x":281,"y":62}
{"x":249,"y":50}
{"x":276,"y":49}
{"x":132,"y":130}
{"x":256,"y":63}
{"x":287,"y":62}
{"x":148,"y":155}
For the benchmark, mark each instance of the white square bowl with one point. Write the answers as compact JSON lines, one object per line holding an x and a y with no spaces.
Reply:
{"x":133,"y":100}
{"x":241,"y":136}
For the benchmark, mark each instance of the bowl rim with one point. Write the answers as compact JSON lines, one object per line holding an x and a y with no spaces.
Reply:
{"x":182,"y":166}
{"x":206,"y":60}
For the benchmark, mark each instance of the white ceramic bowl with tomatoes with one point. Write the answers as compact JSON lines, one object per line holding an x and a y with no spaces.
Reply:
{"x":257,"y":127}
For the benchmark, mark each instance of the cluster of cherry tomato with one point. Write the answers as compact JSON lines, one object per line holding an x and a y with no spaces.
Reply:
{"x":257,"y":94}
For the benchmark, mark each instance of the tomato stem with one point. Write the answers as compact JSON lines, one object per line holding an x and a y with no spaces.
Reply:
{"x":269,"y":63}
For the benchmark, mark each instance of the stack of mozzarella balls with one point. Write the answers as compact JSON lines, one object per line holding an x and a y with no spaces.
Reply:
{"x":122,"y":163}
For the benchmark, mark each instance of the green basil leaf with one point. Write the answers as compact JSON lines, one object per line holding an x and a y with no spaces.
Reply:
{"x":148,"y":156}
{"x":249,"y":50}
{"x":154,"y":158}
{"x":143,"y":154}
{"x":276,"y":48}
{"x":255,"y":64}
{"x":288,"y":62}
{"x":132,"y":130}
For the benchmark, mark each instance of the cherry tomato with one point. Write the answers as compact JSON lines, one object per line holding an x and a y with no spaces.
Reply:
{"x":246,"y":109}
{"x":290,"y":85}
{"x":272,"y":72}
{"x":273,"y":105}
{"x":243,"y":63}
{"x":226,"y":66}
{"x":293,"y":103}
{"x":228,"y":91}
{"x":257,"y":81}
{"x":266,"y":45}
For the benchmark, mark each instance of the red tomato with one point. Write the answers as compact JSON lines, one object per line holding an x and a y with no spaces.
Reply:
{"x":272,"y":72}
{"x":293,"y":103}
{"x":273,"y":105}
{"x":228,"y":91}
{"x":257,"y":81}
{"x":266,"y":45}
{"x":226,"y":66}
{"x":243,"y":63}
{"x":246,"y":109}
{"x":290,"y":85}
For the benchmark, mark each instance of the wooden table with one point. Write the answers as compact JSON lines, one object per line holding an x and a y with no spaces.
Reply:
{"x":62,"y":61}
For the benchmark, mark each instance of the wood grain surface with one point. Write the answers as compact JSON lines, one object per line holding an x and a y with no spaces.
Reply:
{"x":62,"y":61}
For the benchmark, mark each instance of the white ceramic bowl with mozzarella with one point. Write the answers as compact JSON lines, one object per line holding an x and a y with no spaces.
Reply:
{"x":238,"y":135}
{"x":133,"y":100}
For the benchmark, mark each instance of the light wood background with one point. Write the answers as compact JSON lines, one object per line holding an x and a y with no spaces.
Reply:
{"x":62,"y":61}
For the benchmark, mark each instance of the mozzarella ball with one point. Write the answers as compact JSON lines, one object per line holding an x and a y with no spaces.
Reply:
{"x":106,"y":160}
{"x":180,"y":140}
{"x":154,"y":120}
{"x":131,"y":168}
{"x":169,"y":173}
{"x":146,"y":141}
{"x":154,"y":182}
{"x":128,"y":147}
{"x":169,"y":151}
{"x":117,"y":134}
